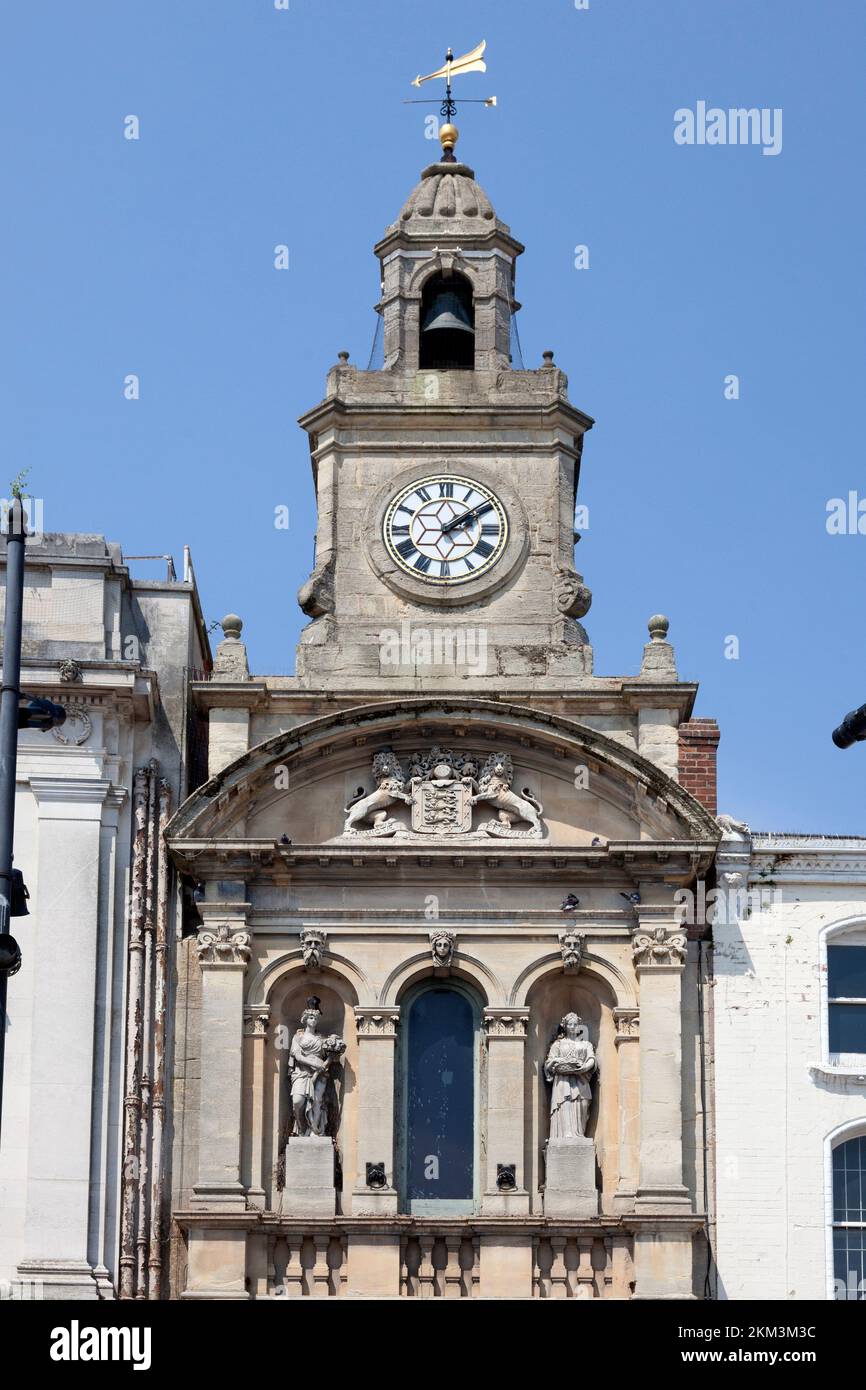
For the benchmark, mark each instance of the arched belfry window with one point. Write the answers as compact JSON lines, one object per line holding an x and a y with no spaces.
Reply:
{"x":439,"y":1096}
{"x":447,"y":323}
{"x":849,"y":1220}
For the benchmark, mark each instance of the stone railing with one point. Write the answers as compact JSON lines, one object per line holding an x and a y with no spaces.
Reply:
{"x":312,"y":1266}
{"x":444,"y":1259}
{"x":440,"y":1263}
{"x":582,"y":1265}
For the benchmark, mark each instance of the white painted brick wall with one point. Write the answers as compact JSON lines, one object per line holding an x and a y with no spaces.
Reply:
{"x":772,"y":1117}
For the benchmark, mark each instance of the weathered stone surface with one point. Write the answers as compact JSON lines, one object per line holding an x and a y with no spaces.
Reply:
{"x":309,"y":1188}
{"x":569,"y":1183}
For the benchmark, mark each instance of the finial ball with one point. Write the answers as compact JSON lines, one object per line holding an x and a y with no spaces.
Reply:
{"x":448,"y":137}
{"x":658,"y":627}
{"x":231,"y":626}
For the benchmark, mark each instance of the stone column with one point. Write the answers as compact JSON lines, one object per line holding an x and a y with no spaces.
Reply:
{"x":506,"y":1112}
{"x":374,"y":1254}
{"x":217,"y":1253}
{"x":223,"y":951}
{"x":376,"y":1027}
{"x":255,"y":1041}
{"x":662,"y":1250}
{"x":65,"y":962}
{"x":628,"y":1052}
{"x":659,"y":948}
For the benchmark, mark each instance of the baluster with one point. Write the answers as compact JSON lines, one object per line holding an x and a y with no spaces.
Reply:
{"x":585,"y":1273}
{"x":321,"y":1268}
{"x":426,"y":1272}
{"x":475,"y":1278}
{"x":605,"y":1275}
{"x":293,"y":1279}
{"x":453,"y":1276}
{"x":558,"y":1272}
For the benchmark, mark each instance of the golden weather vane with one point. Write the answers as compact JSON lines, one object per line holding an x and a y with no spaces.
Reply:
{"x":473,"y":61}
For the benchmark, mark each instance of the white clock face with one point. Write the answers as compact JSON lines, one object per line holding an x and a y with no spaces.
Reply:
{"x":445,"y":529}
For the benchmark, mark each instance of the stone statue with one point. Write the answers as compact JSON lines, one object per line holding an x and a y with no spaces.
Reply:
{"x":310,"y":1060}
{"x":495,"y":788}
{"x":390,"y":787}
{"x":569,"y":1065}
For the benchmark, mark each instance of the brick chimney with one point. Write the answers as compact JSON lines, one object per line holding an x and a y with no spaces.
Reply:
{"x":698,"y":745}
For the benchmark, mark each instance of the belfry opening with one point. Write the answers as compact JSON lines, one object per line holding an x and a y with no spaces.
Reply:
{"x":447,"y":324}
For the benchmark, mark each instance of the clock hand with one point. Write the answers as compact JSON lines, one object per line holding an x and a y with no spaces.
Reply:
{"x":460,"y":522}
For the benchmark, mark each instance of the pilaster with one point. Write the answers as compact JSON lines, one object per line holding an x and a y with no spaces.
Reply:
{"x":505,"y":1031}
{"x":376,"y":1028}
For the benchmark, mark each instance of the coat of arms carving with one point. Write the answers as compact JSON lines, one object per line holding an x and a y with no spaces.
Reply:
{"x":442,"y":788}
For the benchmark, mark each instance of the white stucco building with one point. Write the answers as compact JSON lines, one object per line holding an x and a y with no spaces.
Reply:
{"x":116,"y":652}
{"x":789,"y":1007}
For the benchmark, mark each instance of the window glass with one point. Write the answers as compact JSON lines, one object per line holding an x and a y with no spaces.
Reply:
{"x":846,"y":972}
{"x":848,"y":1028}
{"x":849,"y":1220}
{"x":440,"y":1119}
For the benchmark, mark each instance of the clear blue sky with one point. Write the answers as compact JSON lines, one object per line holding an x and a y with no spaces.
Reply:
{"x":261,"y":127}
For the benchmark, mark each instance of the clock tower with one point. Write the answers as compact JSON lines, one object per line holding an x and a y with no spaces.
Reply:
{"x":445,"y":480}
{"x":449,"y":1024}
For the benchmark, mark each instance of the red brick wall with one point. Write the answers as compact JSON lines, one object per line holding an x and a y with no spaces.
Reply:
{"x":699,"y":741}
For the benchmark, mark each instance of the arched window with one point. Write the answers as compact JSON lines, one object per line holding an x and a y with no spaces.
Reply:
{"x":849,"y":1220}
{"x":447,"y":323}
{"x":437,"y":1131}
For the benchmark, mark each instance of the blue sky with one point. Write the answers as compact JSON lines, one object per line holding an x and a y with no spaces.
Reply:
{"x":260,"y":127}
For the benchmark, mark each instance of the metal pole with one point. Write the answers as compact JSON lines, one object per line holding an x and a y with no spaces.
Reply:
{"x":9,"y":699}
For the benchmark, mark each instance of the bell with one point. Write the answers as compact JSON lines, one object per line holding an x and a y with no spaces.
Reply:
{"x":446,"y":314}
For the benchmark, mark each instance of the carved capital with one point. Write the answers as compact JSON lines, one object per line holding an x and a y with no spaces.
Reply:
{"x":506,"y":1023}
{"x":627,"y":1025}
{"x":223,"y":944}
{"x":256,"y":1022}
{"x":372,"y":1022}
{"x":654,"y":947}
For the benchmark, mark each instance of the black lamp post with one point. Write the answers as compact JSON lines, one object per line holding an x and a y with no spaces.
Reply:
{"x":16,"y":712}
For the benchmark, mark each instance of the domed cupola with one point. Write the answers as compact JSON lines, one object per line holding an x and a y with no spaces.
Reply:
{"x":448,"y":266}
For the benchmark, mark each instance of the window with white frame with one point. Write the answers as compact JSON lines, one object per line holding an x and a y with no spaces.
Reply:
{"x":846,"y":1000}
{"x":849,"y":1221}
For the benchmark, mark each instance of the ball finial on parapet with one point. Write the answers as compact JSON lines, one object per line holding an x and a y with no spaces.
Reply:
{"x":232,"y":627}
{"x":658,"y":627}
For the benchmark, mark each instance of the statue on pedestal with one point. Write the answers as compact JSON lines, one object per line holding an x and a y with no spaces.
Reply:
{"x":310,"y":1060}
{"x":569,"y":1065}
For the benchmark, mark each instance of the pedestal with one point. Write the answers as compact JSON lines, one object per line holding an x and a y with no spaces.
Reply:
{"x":569,"y":1181}
{"x":309,"y":1189}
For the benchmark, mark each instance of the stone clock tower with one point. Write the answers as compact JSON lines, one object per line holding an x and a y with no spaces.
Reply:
{"x":446,"y":482}
{"x":442,"y":1024}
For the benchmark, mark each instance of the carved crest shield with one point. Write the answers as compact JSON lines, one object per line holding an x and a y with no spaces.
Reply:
{"x":441,"y":807}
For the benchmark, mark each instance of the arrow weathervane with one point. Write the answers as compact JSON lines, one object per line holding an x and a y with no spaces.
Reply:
{"x":455,"y":67}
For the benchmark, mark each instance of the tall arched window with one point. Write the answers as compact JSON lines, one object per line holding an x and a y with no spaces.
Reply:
{"x":437,"y":1132}
{"x":849,"y":1220}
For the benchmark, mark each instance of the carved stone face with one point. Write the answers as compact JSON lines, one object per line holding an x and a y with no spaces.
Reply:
{"x":442,"y":947}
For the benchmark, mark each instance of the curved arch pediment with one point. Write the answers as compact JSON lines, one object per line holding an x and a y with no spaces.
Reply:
{"x":299,"y":782}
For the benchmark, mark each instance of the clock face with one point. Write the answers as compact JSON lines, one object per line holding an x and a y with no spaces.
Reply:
{"x":445,"y":529}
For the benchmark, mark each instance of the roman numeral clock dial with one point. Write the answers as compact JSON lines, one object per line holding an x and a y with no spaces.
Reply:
{"x":445,"y":530}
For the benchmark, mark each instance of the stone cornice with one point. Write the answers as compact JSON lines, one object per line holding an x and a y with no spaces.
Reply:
{"x":83,"y":790}
{"x":665,"y":861}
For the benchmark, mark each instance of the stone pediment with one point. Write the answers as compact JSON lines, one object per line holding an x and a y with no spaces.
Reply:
{"x":442,"y":772}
